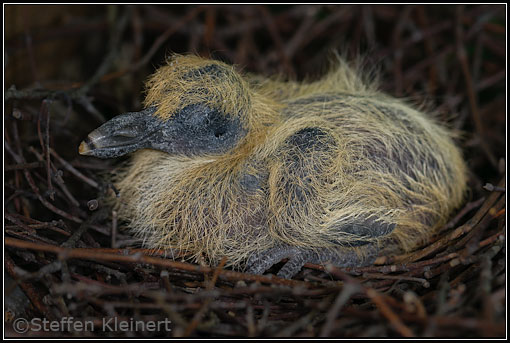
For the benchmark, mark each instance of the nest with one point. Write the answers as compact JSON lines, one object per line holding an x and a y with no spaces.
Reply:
{"x":69,"y":264}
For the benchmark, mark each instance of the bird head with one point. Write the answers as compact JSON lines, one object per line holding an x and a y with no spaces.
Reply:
{"x":193,"y":106}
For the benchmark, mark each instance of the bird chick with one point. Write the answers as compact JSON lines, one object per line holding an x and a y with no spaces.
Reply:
{"x":259,"y":170}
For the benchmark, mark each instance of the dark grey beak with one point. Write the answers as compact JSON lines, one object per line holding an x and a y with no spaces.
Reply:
{"x":121,"y":135}
{"x":194,"y":130}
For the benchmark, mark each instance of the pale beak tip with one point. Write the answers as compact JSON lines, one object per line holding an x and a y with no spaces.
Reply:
{"x":84,"y":148}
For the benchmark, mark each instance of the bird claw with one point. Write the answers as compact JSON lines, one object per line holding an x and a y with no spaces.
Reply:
{"x":259,"y":262}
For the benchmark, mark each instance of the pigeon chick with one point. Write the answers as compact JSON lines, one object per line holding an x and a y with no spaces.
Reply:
{"x":258,"y":170}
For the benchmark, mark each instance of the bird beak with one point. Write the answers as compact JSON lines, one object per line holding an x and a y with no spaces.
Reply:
{"x":121,"y":135}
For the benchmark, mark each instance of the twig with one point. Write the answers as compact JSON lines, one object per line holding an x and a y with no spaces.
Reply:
{"x":66,"y":253}
{"x":31,"y":291}
{"x":22,"y":166}
{"x":423,"y":282}
{"x":275,"y":35}
{"x":458,"y":231}
{"x":386,"y":311}
{"x":461,"y":55}
{"x":57,"y":176}
{"x":31,"y":182}
{"x":73,"y":170}
{"x":114,"y":229}
{"x":342,"y":298}
{"x":161,"y":39}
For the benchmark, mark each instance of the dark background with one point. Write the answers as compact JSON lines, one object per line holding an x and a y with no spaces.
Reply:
{"x":450,"y":57}
{"x":69,"y":68}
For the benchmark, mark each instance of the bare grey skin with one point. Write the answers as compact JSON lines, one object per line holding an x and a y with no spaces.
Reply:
{"x":199,"y":130}
{"x":194,"y":130}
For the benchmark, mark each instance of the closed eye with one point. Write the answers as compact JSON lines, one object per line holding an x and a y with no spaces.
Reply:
{"x":219,"y":132}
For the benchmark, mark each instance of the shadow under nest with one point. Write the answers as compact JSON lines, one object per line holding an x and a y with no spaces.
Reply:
{"x":64,"y":256}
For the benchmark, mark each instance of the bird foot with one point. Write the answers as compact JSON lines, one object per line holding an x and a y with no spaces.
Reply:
{"x":259,"y":262}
